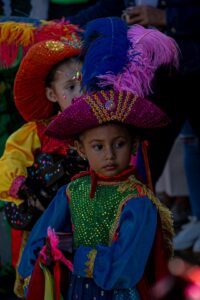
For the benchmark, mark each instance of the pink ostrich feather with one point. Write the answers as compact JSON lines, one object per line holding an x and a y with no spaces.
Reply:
{"x":150,"y":49}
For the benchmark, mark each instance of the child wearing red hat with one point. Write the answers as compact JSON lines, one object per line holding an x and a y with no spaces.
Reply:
{"x":122,"y":234}
{"x":47,"y":80}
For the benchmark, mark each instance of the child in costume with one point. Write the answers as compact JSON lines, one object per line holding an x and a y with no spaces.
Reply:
{"x":47,"y":80}
{"x":121,"y":232}
{"x":17,"y":35}
{"x":115,"y":218}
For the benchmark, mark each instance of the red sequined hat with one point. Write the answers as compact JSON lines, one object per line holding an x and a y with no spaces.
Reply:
{"x":98,"y":108}
{"x":29,"y":86}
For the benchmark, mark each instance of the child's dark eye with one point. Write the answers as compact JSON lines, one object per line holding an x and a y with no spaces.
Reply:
{"x":119,"y":145}
{"x":97,"y":147}
{"x":71,"y":87}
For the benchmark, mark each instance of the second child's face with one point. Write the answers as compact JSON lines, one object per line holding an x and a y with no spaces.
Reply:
{"x":66,"y":84}
{"x":108,"y":149}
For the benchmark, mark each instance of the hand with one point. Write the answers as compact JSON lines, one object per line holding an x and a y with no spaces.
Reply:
{"x":28,"y":196}
{"x":145,"y":16}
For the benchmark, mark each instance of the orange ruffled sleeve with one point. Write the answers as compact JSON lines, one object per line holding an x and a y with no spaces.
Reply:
{"x":18,"y":155}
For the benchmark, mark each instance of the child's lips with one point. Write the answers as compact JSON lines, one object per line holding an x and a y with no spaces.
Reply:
{"x":110,"y":167}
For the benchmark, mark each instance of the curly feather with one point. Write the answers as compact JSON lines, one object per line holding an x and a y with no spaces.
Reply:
{"x":105,"y":40}
{"x":149,"y":49}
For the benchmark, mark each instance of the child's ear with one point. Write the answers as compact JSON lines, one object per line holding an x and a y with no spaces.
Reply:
{"x":80,"y":149}
{"x":50,"y":94}
{"x":135,"y":147}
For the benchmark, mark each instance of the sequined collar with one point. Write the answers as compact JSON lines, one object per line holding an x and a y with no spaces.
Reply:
{"x":96,"y":177}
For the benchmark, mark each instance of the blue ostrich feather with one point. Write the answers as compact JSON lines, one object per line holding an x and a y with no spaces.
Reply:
{"x":104,"y":42}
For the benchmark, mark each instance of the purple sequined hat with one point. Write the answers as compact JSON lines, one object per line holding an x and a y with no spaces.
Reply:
{"x":98,"y":108}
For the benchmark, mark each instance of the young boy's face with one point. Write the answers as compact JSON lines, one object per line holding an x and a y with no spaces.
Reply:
{"x":66,"y":84}
{"x":108,"y":148}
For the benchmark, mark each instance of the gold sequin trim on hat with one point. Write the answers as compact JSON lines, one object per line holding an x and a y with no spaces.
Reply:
{"x":55,"y":46}
{"x":106,"y":108}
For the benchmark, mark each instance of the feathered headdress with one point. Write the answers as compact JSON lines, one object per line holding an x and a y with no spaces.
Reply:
{"x":137,"y":53}
{"x":125,"y":58}
{"x":104,"y":42}
{"x":18,"y":34}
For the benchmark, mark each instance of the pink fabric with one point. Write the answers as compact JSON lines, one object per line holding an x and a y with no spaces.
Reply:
{"x":134,"y":160}
{"x":14,"y":189}
{"x":55,"y":252}
{"x":92,"y":110}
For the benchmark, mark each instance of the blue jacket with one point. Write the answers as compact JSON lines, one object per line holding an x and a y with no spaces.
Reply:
{"x":183,"y":24}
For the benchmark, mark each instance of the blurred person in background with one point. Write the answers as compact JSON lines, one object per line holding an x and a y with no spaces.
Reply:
{"x":29,"y":8}
{"x":63,"y":8}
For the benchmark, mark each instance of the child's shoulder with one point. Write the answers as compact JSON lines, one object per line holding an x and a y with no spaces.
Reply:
{"x":135,"y":186}
{"x":82,"y":176}
{"x":137,"y":189}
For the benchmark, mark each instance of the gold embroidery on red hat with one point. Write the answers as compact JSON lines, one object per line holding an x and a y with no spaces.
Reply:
{"x":56,"y":46}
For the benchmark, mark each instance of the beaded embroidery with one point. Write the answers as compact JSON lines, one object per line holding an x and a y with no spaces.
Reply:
{"x":55,"y":46}
{"x":93,"y":219}
{"x":96,"y":222}
{"x":107,"y":111}
{"x":14,"y":189}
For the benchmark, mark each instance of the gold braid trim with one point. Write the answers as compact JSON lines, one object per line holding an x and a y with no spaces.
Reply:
{"x":90,"y":263}
{"x":141,"y":190}
{"x":26,"y":281}
{"x":116,"y":221}
{"x":166,"y":223}
{"x":19,"y":281}
{"x":68,"y":193}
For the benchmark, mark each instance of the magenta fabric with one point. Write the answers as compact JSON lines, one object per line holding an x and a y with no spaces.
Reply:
{"x":92,"y":110}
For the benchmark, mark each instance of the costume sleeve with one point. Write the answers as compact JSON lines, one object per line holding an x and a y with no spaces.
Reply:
{"x":122,"y":264}
{"x":103,"y":8}
{"x":56,"y":216}
{"x":18,"y":155}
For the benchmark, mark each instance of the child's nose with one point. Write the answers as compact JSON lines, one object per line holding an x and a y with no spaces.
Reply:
{"x":109,"y":153}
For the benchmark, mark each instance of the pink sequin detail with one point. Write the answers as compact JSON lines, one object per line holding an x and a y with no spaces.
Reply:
{"x":14,"y":189}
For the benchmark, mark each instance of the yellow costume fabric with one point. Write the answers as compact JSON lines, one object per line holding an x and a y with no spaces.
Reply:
{"x":18,"y":155}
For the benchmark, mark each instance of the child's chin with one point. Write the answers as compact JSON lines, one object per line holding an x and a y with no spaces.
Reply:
{"x":110,"y":173}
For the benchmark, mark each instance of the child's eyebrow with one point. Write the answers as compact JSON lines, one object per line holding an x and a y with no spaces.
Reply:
{"x":95,"y":140}
{"x":101,"y":140}
{"x":70,"y":80}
